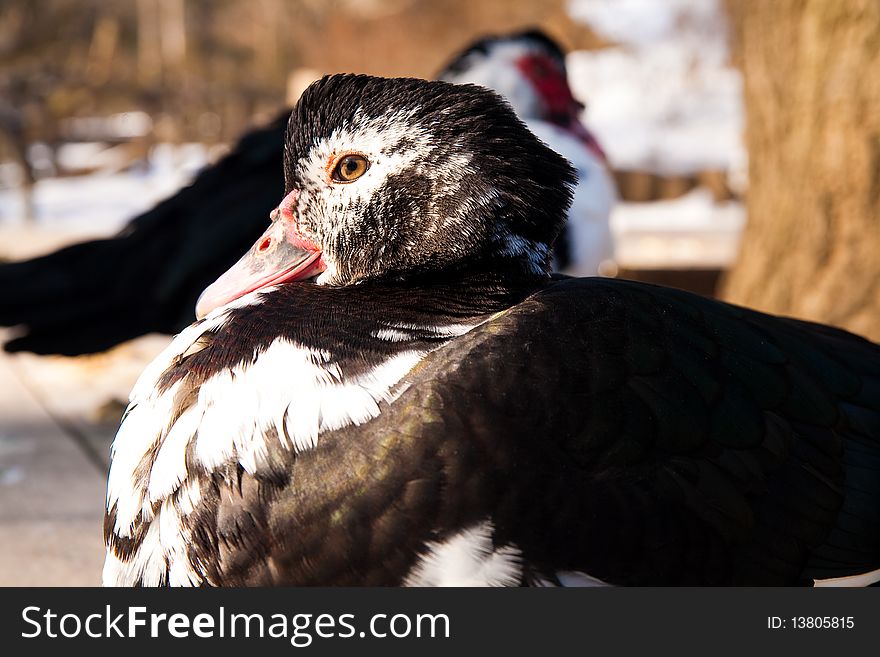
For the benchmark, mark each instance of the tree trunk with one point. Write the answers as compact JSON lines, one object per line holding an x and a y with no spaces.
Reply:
{"x":811,"y":248}
{"x":148,"y":34}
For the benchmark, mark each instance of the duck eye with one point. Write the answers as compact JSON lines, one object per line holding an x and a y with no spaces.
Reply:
{"x":350,"y":168}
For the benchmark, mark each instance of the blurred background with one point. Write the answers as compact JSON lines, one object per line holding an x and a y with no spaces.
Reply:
{"x":135,"y":95}
{"x":743,"y":138}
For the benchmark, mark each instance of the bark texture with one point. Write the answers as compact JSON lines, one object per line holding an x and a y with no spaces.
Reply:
{"x":811,"y":248}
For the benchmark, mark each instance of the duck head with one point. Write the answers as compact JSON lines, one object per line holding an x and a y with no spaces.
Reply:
{"x":528,"y":69}
{"x":401,"y":178}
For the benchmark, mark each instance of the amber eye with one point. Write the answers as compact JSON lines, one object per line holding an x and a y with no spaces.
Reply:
{"x":350,"y":168}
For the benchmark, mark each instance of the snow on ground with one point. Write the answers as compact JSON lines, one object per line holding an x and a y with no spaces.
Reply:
{"x":95,"y":205}
{"x":688,"y":232}
{"x":666,"y":99}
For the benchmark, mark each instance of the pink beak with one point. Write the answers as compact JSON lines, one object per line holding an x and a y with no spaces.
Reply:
{"x":280,"y":255}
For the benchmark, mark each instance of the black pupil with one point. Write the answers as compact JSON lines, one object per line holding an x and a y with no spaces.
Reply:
{"x":351,"y":165}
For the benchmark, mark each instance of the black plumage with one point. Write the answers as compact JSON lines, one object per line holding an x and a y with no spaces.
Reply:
{"x":640,"y":434}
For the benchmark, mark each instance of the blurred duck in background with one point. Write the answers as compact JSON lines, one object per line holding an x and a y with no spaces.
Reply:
{"x":528,"y":69}
{"x":91,"y":296}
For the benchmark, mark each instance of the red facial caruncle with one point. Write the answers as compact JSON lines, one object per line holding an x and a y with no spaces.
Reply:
{"x":548,"y":79}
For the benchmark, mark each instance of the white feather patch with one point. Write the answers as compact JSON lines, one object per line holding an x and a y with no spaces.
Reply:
{"x":588,"y":229}
{"x":161,"y":558}
{"x":573,"y":579}
{"x":391,"y":335}
{"x":498,"y":70}
{"x":146,"y":421}
{"x":287,"y":388}
{"x":852,"y":581}
{"x":468,"y":559}
{"x":290,"y":392}
{"x":169,"y":466}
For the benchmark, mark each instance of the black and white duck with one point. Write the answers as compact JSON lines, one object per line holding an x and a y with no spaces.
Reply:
{"x":390,"y":388}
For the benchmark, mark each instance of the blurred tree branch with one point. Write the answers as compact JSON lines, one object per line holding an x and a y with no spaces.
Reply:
{"x":196,"y":63}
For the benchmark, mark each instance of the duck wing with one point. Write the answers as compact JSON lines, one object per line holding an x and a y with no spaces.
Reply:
{"x":645,"y":435}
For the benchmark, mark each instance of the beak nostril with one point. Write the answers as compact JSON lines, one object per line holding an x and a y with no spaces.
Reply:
{"x":265,"y":244}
